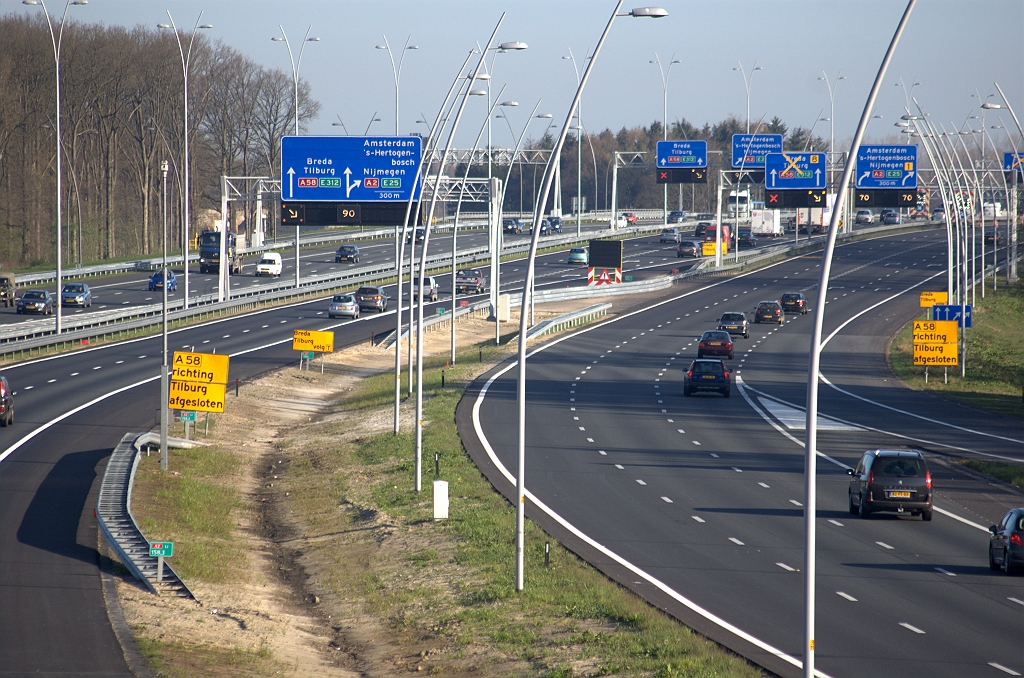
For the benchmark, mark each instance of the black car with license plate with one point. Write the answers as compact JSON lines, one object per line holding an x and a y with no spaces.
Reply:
{"x":891,"y":480}
{"x":689,"y":248}
{"x":747,"y":239}
{"x":35,"y":301}
{"x":701,"y":228}
{"x":706,"y":375}
{"x":347,"y":253}
{"x":370,"y":297}
{"x":735,"y":323}
{"x":794,"y":302}
{"x":769,"y":312}
{"x":1006,"y":544}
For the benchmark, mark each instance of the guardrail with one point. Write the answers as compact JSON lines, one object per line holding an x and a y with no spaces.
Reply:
{"x":567,"y":320}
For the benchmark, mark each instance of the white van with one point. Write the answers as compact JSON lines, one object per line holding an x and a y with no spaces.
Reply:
{"x":269,"y":264}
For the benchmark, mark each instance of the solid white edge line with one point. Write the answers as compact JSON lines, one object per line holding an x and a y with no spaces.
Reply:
{"x":1003,"y":669}
{"x":956,"y":517}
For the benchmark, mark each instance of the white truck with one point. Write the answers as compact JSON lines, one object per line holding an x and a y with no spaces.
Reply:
{"x":766,"y":222}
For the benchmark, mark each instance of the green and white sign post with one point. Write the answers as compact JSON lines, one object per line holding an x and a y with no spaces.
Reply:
{"x":160,"y":550}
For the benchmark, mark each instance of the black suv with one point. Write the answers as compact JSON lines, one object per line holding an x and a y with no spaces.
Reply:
{"x":347,"y":253}
{"x":769,"y":312}
{"x":372,"y":297}
{"x":6,"y":403}
{"x":891,"y":480}
{"x":1006,"y":545}
{"x":794,"y":302}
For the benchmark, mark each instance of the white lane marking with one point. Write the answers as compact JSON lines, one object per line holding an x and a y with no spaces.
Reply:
{"x":118,"y":362}
{"x":98,"y":367}
{"x":796,"y":419}
{"x":640,"y":482}
{"x":51,"y":381}
{"x":620,"y":467}
{"x":847,"y":596}
{"x":27,"y":388}
{"x":245,"y":331}
{"x":764,"y":485}
{"x":265,"y":327}
{"x":1016,"y":600}
{"x":714,"y":455}
{"x":734,"y":540}
{"x":74,"y":374}
{"x":1003,"y":669}
{"x":671,"y":421}
{"x":884,"y":545}
{"x":582,"y":428}
{"x":785,"y":567}
{"x":666,"y":500}
{"x":141,"y":357}
{"x":795,"y":502}
{"x":590,"y":440}
{"x":912,"y":628}
{"x":738,"y":470}
{"x":695,"y":442}
{"x":836,"y":523}
{"x":602,"y":453}
{"x":962,"y":520}
{"x":681,"y":430}
{"x":945,"y":572}
{"x":698,"y":519}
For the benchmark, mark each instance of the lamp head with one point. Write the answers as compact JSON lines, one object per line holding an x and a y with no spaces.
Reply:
{"x":200,"y":26}
{"x":477,"y":92}
{"x":515,"y":45}
{"x":650,"y":12}
{"x":543,"y":115}
{"x":309,"y":39}
{"x":380,"y":47}
{"x":413,"y":47}
{"x":988,"y":106}
{"x":509,"y":103}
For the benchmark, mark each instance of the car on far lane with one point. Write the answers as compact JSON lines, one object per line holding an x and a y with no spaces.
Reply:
{"x":579,"y":255}
{"x":156,"y":281}
{"x":76,"y":294}
{"x":6,"y":403}
{"x":670,"y":235}
{"x":769,"y":312}
{"x":706,"y":375}
{"x":747,"y":239}
{"x":994,"y":237}
{"x":512,"y":226}
{"x":35,"y":301}
{"x":890,"y":217}
{"x":372,"y":297}
{"x":556,"y":224}
{"x":891,"y":480}
{"x":630,"y":218}
{"x":347,"y":253}
{"x":676,"y":217}
{"x":1006,"y":544}
{"x":864,"y":217}
{"x":270,"y":264}
{"x":343,"y":306}
{"x":701,"y":228}
{"x":715,"y":342}
{"x":794,"y":302}
{"x":689,"y":248}
{"x":939,"y":213}
{"x":734,"y":322}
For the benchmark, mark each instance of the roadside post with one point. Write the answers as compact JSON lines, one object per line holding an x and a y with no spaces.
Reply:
{"x":160,"y":550}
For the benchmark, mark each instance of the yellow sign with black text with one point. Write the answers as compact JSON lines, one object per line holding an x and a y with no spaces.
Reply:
{"x":208,"y":368}
{"x":936,"y":332}
{"x":708,"y":248}
{"x":942,"y":355}
{"x":196,"y":396}
{"x":313,"y":340}
{"x":929,"y":299}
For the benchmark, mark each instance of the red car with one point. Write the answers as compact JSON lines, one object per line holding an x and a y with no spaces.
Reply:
{"x":715,"y":342}
{"x":630,"y":218}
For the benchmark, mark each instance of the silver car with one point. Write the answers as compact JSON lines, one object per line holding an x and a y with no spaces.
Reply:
{"x":343,"y":306}
{"x":76,"y":294}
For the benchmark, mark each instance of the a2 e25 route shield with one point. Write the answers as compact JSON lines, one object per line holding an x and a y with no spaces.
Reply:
{"x":349,"y":169}
{"x":887,"y":167}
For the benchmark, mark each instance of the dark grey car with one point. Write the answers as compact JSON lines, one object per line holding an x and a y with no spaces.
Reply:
{"x":891,"y":480}
{"x":6,"y":403}
{"x":1006,"y":545}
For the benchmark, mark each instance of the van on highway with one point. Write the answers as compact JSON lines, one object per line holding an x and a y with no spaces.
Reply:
{"x":269,"y":264}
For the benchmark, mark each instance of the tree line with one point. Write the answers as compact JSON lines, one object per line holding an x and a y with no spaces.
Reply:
{"x":121,"y":115}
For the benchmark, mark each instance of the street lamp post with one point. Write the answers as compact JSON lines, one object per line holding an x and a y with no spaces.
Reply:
{"x":397,"y":70}
{"x":164,"y":386}
{"x":186,"y":58}
{"x":296,"y":65}
{"x":831,"y":126}
{"x":539,"y":206}
{"x":665,"y":73}
{"x":746,"y":84}
{"x":56,"y":40}
{"x":1011,"y":230}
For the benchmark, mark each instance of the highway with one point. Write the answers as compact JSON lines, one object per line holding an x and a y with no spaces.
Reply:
{"x":696,"y":503}
{"x":73,"y":408}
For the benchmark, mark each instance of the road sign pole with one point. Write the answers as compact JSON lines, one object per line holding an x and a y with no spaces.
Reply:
{"x":159,"y":569}
{"x":718,"y":222}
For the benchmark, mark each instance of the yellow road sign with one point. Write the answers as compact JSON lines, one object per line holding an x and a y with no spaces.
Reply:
{"x":708,"y":249}
{"x":208,"y":368}
{"x":936,"y":332}
{"x":943,"y":355}
{"x":313,"y":340}
{"x":196,"y":396}
{"x":929,"y":299}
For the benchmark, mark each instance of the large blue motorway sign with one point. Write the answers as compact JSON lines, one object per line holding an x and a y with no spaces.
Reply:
{"x":787,"y":171}
{"x":887,"y":167}
{"x":749,"y":150}
{"x":349,"y":169}
{"x":1011,"y":161}
{"x":682,"y":154}
{"x":962,"y":314}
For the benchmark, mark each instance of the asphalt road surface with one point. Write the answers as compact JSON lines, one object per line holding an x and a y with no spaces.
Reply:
{"x":696,"y":503}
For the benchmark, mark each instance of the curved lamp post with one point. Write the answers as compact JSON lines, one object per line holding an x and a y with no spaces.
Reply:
{"x":665,"y":73}
{"x":397,"y":70}
{"x":56,"y":39}
{"x":746,"y":85}
{"x":652,"y":12}
{"x":186,"y":58}
{"x":832,"y":87}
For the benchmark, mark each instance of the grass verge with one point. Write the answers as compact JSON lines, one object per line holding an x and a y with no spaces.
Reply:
{"x":1000,"y":470}
{"x":995,"y":361}
{"x":445,"y":591}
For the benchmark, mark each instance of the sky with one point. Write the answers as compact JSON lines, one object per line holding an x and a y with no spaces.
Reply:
{"x":953,"y":48}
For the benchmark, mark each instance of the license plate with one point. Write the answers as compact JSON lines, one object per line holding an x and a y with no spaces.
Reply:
{"x":708,"y":376}
{"x":899,"y":494}
{"x":716,"y":343}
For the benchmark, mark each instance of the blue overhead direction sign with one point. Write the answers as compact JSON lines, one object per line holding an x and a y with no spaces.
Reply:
{"x":749,"y":150}
{"x":682,"y":153}
{"x":349,"y":169}
{"x":953,"y":312}
{"x":886,"y":167}
{"x":787,"y":171}
{"x":1011,"y":161}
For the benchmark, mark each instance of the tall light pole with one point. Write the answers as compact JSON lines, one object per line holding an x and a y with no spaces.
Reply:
{"x":164,"y":386}
{"x":296,"y":65}
{"x":746,"y":85}
{"x":186,"y":58}
{"x":665,"y":73}
{"x":56,"y":39}
{"x":397,"y":70}
{"x":1011,"y":231}
{"x":538,"y":210}
{"x":831,"y":125}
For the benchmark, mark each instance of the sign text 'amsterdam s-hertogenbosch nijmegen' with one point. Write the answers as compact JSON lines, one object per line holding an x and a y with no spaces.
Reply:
{"x":349,"y":169}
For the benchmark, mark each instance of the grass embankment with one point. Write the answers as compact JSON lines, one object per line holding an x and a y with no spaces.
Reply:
{"x":447,"y":596}
{"x":995,"y":359}
{"x":1001,"y":470}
